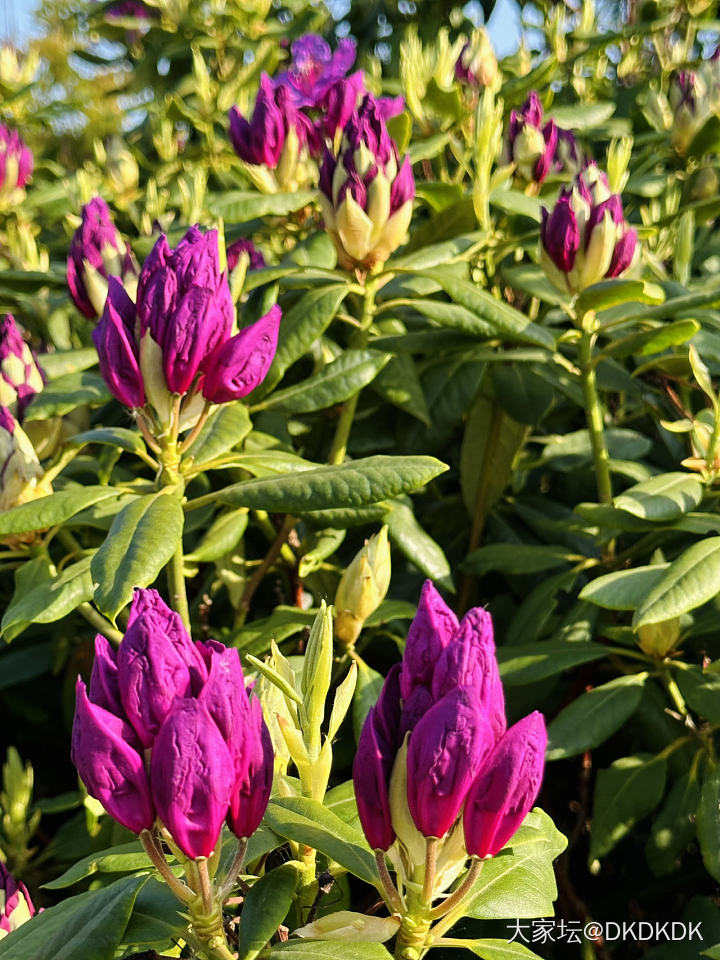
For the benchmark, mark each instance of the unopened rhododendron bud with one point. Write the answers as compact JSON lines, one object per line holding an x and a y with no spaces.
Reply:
{"x":97,"y":252}
{"x":366,"y":192}
{"x":276,"y":143}
{"x":20,"y":376}
{"x":688,"y":100}
{"x":16,"y":166}
{"x":362,"y":587}
{"x":531,"y":142}
{"x":435,"y":758}
{"x":21,"y":476}
{"x":477,"y":64}
{"x":170,"y":731}
{"x":586,"y":239}
{"x":244,"y":250}
{"x":16,"y":907}
{"x":315,"y":68}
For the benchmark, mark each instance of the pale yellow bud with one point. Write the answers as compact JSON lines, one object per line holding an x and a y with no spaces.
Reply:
{"x":346,"y":925}
{"x":659,"y":639}
{"x":362,"y":587}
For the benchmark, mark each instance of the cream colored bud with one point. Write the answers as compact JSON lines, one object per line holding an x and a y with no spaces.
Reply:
{"x":346,"y":925}
{"x":658,"y":639}
{"x":362,"y":587}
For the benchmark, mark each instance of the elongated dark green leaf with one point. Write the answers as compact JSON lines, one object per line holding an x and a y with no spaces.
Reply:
{"x":707,"y":820}
{"x":582,"y":116}
{"x":628,"y":790}
{"x":113,"y":436}
{"x":124,"y":858}
{"x":224,"y":535}
{"x":354,"y":484}
{"x":52,"y":510}
{"x":317,"y":547}
{"x":690,"y":580}
{"x":241,"y":206}
{"x":610,"y":293}
{"x":142,"y":539}
{"x":301,"y":326}
{"x":507,"y":323}
{"x":417,"y":545}
{"x":520,"y":881}
{"x":647,"y":342}
{"x":526,"y":663}
{"x":50,"y":600}
{"x":66,"y":393}
{"x":594,"y":716}
{"x":701,"y":690}
{"x":265,"y":907}
{"x":623,"y":589}
{"x":225,"y":429}
{"x":674,"y":826}
{"x":341,"y":379}
{"x":18,"y":666}
{"x":398,"y":383}
{"x":282,"y":623}
{"x":494,"y":949}
{"x":87,"y":927}
{"x":663,"y":498}
{"x":156,"y":920}
{"x":515,"y":558}
{"x":367,"y":690}
{"x":307,"y":821}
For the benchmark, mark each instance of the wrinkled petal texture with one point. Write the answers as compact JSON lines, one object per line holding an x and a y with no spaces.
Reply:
{"x":242,"y":362}
{"x":104,"y":688}
{"x":561,"y":235}
{"x":431,"y":630}
{"x":254,"y":766}
{"x":114,"y":338}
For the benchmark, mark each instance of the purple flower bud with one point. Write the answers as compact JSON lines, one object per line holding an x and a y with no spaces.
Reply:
{"x":239,"y":364}
{"x":506,"y":787}
{"x":254,"y":765}
{"x":530,"y":145}
{"x":623,"y":253}
{"x":315,"y":69}
{"x":403,"y":187}
{"x":446,"y":751}
{"x":17,"y":907}
{"x":16,"y":163}
{"x":106,"y":753}
{"x":192,"y":776}
{"x":96,"y":246}
{"x":153,"y":664}
{"x":340,"y":102}
{"x":470,"y":662}
{"x":560,"y":234}
{"x":104,"y":688}
{"x":240,"y":247}
{"x":431,"y":630}
{"x":7,"y":421}
{"x":374,"y":759}
{"x":568,"y":158}
{"x":546,"y":161}
{"x":20,"y":376}
{"x":117,"y":349}
{"x":613,"y":206}
{"x":261,"y":140}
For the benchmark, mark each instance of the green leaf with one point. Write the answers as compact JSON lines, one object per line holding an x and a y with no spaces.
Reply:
{"x":225,"y":429}
{"x":701,"y":690}
{"x":341,"y":800}
{"x":355,"y":484}
{"x":367,"y":690}
{"x":610,"y":293}
{"x":339,"y":380}
{"x":124,"y":858}
{"x":52,"y":510}
{"x":87,"y":927}
{"x":691,"y":580}
{"x":66,"y":393}
{"x":508,"y":323}
{"x":317,"y":547}
{"x":582,"y":116}
{"x":399,"y":384}
{"x":18,"y":666}
{"x":62,"y":362}
{"x":222,"y":537}
{"x":49,"y":601}
{"x":526,"y":663}
{"x":309,"y":822}
{"x":627,"y":791}
{"x":330,"y":950}
{"x":493,"y":949}
{"x":417,"y":545}
{"x":648,"y":342}
{"x":515,"y":558}
{"x":520,"y":882}
{"x":516,"y":203}
{"x":623,"y":589}
{"x":707,"y":820}
{"x":156,"y":919}
{"x":523,"y":395}
{"x":568,"y":451}
{"x":707,"y":139}
{"x":113,"y":436}
{"x":674,"y":826}
{"x":265,"y":907}
{"x":301,"y":326}
{"x":282,"y":623}
{"x":663,"y":498}
{"x":142,"y":538}
{"x":594,"y":716}
{"x":242,"y":206}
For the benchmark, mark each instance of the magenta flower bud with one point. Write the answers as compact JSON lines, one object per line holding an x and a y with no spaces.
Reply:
{"x":107,"y":756}
{"x":374,"y":759}
{"x":20,"y":376}
{"x":192,"y":776}
{"x":531,"y":145}
{"x":16,"y":165}
{"x":431,"y":630}
{"x":470,"y":662}
{"x":104,"y":688}
{"x":560,"y":234}
{"x":117,"y":349}
{"x":447,"y":750}
{"x":239,"y":364}
{"x":340,"y":102}
{"x":17,"y":907}
{"x":254,"y":765}
{"x":256,"y":261}
{"x":314,"y":69}
{"x":623,"y":254}
{"x":568,"y":157}
{"x":259,"y":141}
{"x":153,"y":664}
{"x":506,"y":787}
{"x":97,"y":252}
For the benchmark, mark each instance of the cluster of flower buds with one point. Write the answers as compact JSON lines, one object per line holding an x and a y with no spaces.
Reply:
{"x":169,"y":732}
{"x":21,"y":476}
{"x":16,"y":166}
{"x":688,"y":102}
{"x":366,"y":192}
{"x":435,"y":759}
{"x":176,"y":342}
{"x":16,"y":907}
{"x":98,"y":252}
{"x":20,"y":376}
{"x":362,"y":588}
{"x":586,"y":239}
{"x":477,"y":64}
{"x":538,"y":147}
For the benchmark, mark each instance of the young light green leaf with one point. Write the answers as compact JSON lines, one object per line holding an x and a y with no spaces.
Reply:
{"x":663,"y":498}
{"x":692,"y":579}
{"x":52,"y":510}
{"x":623,"y":589}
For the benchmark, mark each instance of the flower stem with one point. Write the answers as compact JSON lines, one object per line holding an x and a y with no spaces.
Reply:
{"x":176,"y":585}
{"x":180,"y":889}
{"x":457,"y":896}
{"x":431,"y":846}
{"x":235,"y":868}
{"x":593,"y":410}
{"x":392,"y":897}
